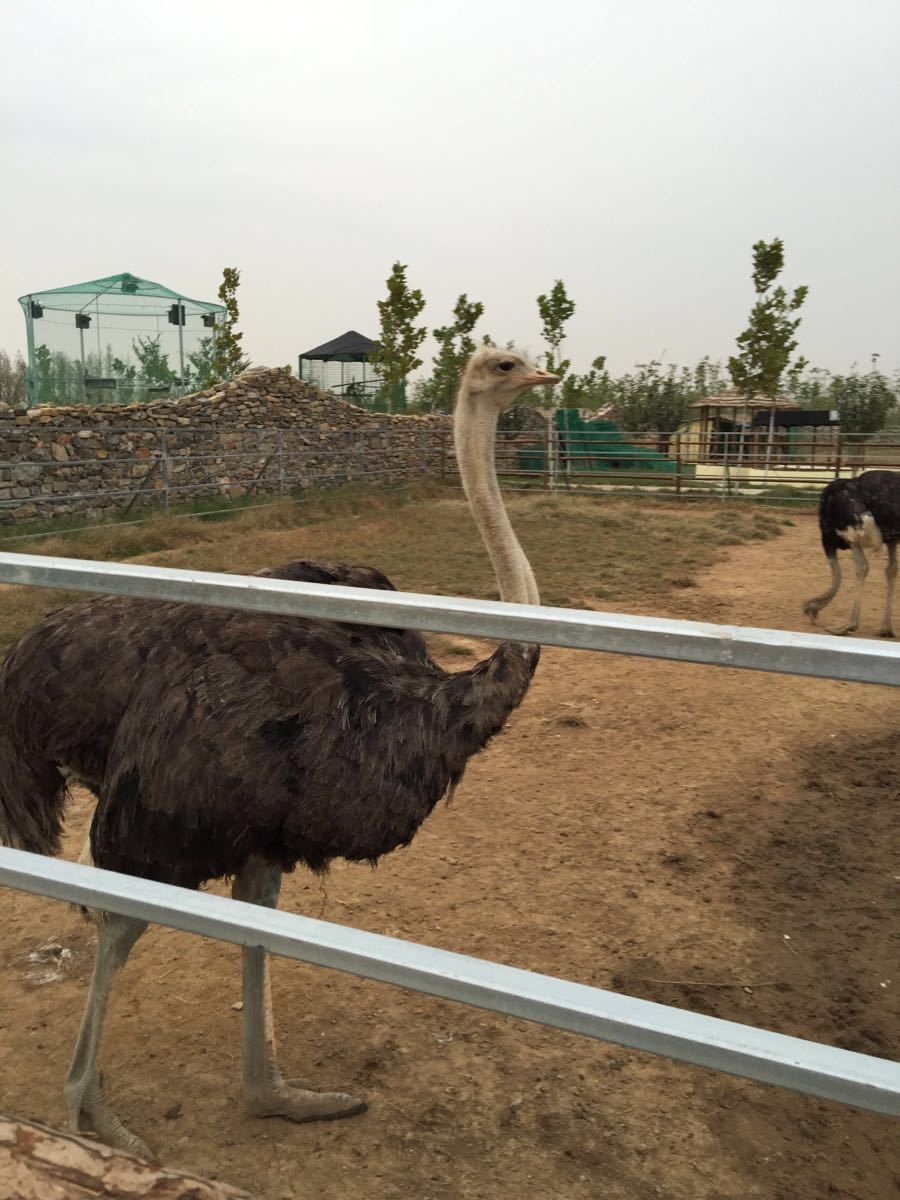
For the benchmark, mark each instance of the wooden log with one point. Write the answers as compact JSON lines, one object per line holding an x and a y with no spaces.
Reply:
{"x":40,"y":1163}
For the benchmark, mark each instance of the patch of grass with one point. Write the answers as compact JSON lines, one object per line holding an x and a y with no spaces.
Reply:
{"x":209,"y":508}
{"x":799,"y":498}
{"x":788,"y":491}
{"x":584,"y":549}
{"x":114,"y":541}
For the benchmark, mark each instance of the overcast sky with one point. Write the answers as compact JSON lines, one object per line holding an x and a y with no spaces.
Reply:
{"x":635,"y":150}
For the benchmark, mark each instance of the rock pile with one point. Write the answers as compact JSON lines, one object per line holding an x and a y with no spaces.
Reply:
{"x":264,"y":431}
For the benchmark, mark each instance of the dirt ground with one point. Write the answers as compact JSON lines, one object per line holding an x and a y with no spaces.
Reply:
{"x":718,"y":840}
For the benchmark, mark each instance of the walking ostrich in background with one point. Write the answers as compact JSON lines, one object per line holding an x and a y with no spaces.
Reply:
{"x":859,"y":514}
{"x":227,"y":743}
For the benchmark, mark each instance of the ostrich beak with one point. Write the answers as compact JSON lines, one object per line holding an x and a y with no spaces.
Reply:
{"x":539,"y":378}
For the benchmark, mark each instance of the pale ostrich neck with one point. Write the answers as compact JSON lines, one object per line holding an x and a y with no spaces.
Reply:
{"x":475,"y":429}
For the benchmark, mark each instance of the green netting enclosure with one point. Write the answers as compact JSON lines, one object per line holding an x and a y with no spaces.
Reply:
{"x":120,"y":338}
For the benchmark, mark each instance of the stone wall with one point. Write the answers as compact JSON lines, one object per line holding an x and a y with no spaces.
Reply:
{"x":263,"y":432}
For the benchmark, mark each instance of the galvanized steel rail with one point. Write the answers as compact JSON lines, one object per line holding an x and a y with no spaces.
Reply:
{"x":689,"y":1037}
{"x":782,"y":651}
{"x":758,"y":1054}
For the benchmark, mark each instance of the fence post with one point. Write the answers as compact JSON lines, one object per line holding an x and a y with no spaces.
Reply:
{"x":164,"y":468}
{"x":837,"y":458}
{"x":726,"y":467}
{"x":678,"y":463}
{"x":279,"y":451}
{"x":549,"y":426}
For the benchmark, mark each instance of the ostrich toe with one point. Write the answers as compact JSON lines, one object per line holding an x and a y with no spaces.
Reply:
{"x":292,"y":1100}
{"x":89,"y":1113}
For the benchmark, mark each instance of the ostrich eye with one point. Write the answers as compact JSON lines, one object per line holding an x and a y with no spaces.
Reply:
{"x":505,"y":366}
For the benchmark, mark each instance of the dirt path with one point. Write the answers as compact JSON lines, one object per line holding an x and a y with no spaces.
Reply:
{"x":638,"y":822}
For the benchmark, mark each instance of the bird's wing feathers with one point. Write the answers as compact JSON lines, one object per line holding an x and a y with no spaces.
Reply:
{"x":342,"y":574}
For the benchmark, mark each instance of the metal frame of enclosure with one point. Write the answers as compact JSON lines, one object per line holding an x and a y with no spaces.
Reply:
{"x":768,"y":1057}
{"x":125,"y":296}
{"x":349,"y":350}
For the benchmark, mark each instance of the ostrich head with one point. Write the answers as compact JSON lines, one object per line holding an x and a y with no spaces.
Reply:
{"x":498,"y":376}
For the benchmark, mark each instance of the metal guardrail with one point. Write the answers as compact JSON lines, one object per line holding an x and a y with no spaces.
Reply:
{"x":782,"y":651}
{"x":759,"y":1054}
{"x":762,"y":1055}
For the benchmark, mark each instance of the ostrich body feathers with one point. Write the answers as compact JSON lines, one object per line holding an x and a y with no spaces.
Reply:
{"x":210,"y":735}
{"x":845,"y":505}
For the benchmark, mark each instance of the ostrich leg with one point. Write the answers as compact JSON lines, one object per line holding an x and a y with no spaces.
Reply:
{"x":267,"y":1093}
{"x":887,"y":625}
{"x":860,"y":562}
{"x":814,"y":606}
{"x":88,"y":1111}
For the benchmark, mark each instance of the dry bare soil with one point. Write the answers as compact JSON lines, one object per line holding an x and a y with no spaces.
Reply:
{"x":718,"y":840}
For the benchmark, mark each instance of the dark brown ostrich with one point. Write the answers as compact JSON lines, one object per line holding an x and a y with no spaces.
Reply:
{"x":859,"y":514}
{"x":226,"y":743}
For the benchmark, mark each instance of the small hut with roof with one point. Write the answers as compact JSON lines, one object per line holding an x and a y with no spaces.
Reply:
{"x":732,"y":431}
{"x":731,"y":426}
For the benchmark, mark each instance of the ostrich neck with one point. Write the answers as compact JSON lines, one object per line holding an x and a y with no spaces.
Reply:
{"x":475,"y":430}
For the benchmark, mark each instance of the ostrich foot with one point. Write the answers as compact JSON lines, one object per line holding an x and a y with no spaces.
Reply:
{"x":811,"y":611}
{"x":886,"y":632}
{"x":291,"y":1098}
{"x":89,"y":1113}
{"x":842,"y":630}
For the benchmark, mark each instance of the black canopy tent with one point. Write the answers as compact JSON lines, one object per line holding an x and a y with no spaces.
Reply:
{"x":351,"y":347}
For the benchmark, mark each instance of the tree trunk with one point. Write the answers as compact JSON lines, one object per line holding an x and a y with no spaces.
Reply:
{"x":39,"y":1163}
